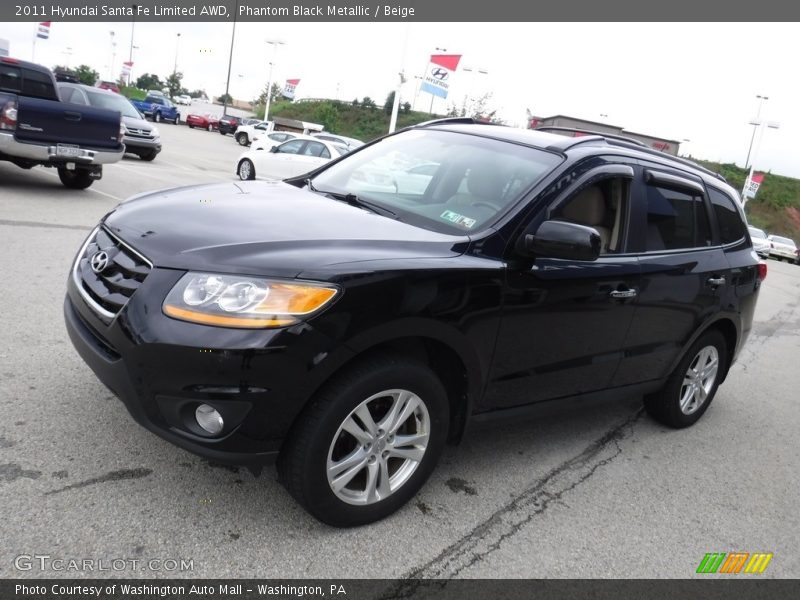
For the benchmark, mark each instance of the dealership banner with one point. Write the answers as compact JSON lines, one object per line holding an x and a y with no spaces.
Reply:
{"x":438,"y":74}
{"x":43,"y":30}
{"x":126,"y":68}
{"x":290,"y":88}
{"x":753,"y":184}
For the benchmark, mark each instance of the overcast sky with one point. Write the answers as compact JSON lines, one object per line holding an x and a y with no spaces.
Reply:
{"x":674,"y":80}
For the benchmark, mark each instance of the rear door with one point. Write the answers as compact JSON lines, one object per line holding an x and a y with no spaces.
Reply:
{"x":684,"y":271}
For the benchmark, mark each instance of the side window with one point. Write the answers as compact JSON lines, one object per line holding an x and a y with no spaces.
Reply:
{"x":292,"y":147}
{"x":68,"y":94}
{"x":10,"y":78}
{"x":675,"y":220}
{"x":602,"y":206}
{"x":37,"y":84}
{"x":731,"y":227}
{"x":316,"y":149}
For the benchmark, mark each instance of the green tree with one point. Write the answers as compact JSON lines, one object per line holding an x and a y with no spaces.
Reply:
{"x":149,"y":81}
{"x":389,"y":104}
{"x":225,"y":99}
{"x":173,"y":82}
{"x":275,"y":94}
{"x":328,"y":115}
{"x":406,"y":107}
{"x":367,"y":102}
{"x":86,"y":74}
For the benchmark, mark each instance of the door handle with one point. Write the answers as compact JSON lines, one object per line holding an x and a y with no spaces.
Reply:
{"x":623,"y":294}
{"x":715,"y":281}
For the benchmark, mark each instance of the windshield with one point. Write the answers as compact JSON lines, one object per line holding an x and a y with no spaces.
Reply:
{"x":113,"y":102}
{"x":756,"y":232}
{"x":782,"y":240}
{"x":440,"y":180}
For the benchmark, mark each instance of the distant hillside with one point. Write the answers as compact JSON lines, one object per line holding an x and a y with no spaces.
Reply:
{"x":350,"y":119}
{"x":776,"y":207}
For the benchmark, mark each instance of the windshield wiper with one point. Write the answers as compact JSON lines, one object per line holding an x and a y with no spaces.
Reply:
{"x":353,"y":200}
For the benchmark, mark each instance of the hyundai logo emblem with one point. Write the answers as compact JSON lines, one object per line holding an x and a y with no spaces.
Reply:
{"x":440,"y":74}
{"x":99,"y":261}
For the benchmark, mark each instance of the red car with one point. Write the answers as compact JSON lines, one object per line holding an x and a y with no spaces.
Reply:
{"x":209,"y":122}
{"x":107,"y":85}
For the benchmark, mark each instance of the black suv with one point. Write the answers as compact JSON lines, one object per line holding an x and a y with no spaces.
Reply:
{"x":350,"y":322}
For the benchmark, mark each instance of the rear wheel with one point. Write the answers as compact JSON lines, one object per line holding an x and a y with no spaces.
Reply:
{"x":157,"y":117}
{"x":210,"y":127}
{"x":692,"y":385}
{"x":367,"y":443}
{"x":242,"y":139}
{"x":246,"y":170}
{"x":190,"y":126}
{"x":77,"y":179}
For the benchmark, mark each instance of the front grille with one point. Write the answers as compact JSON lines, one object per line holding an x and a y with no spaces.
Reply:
{"x":140,"y":133}
{"x":110,"y":289}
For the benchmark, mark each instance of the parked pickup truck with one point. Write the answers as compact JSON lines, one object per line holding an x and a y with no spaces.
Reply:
{"x":158,"y":108}
{"x":36,"y":128}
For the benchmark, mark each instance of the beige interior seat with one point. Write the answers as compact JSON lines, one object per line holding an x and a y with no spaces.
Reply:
{"x":589,"y":208}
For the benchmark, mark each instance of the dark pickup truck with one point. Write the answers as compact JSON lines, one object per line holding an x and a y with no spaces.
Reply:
{"x":36,"y":128}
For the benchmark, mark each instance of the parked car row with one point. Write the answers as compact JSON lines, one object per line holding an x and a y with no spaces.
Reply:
{"x":774,"y":246}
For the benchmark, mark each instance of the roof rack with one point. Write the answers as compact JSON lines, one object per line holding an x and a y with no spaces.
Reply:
{"x":453,"y":121}
{"x":610,"y":136}
{"x":621,"y":140}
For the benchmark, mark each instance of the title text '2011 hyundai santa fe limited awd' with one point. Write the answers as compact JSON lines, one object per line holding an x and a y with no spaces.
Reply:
{"x":350,"y":322}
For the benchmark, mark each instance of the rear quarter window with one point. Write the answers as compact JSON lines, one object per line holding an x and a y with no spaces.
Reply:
{"x":731,"y":226}
{"x":27,"y":82}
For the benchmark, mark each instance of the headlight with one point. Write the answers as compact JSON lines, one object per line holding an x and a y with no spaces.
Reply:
{"x":248,"y":302}
{"x":155,"y":132}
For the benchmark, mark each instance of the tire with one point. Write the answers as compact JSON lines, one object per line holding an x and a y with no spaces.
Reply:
{"x":148,"y":155}
{"x":190,"y":126}
{"x":157,"y":117}
{"x":210,"y":127}
{"x":246,"y":170}
{"x":77,"y":179}
{"x":242,"y":139}
{"x":677,"y":405}
{"x":177,"y":120}
{"x":390,"y":473}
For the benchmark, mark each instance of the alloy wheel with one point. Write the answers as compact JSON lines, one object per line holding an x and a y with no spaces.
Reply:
{"x":378,"y":447}
{"x":699,"y":379}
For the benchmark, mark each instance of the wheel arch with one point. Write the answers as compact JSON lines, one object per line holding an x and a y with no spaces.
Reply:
{"x":730,"y":329}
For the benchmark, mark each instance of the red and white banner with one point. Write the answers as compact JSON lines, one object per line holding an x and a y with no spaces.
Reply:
{"x":290,"y":87}
{"x":753,"y":184}
{"x":437,"y":76}
{"x":43,"y":31}
{"x":126,"y":68}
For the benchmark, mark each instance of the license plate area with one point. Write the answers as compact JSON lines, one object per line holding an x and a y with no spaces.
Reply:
{"x":68,"y":150}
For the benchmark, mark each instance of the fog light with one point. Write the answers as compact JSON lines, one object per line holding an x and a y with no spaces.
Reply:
{"x":209,"y":419}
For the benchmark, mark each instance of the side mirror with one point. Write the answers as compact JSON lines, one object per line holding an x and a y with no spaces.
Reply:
{"x":562,"y":239}
{"x":274,"y":149}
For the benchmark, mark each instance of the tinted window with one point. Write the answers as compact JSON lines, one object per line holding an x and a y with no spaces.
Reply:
{"x":27,"y":82}
{"x":69,"y":94}
{"x":731,"y":227}
{"x":675,"y":220}
{"x":316,"y":149}
{"x":278,"y":137}
{"x":292,"y":147}
{"x":10,"y":78}
{"x":112,"y":102}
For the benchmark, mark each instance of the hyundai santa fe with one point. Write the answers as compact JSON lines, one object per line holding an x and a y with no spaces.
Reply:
{"x":349,"y":327}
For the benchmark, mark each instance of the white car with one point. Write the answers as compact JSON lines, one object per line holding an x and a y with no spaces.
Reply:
{"x":760,"y":242}
{"x":289,"y":159}
{"x":782,"y":248}
{"x":244,"y":134}
{"x":183,"y":99}
{"x":265,"y":141}
{"x":411,"y":181}
{"x":351,"y":143}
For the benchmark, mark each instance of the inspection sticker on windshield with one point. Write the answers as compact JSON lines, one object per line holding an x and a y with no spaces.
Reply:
{"x":458,"y":219}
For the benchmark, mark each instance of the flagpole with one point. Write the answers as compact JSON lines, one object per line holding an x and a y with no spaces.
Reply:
{"x":35,"y":35}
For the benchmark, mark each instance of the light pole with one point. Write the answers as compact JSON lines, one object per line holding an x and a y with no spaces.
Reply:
{"x":274,"y":44}
{"x":113,"y":55}
{"x":755,"y":125}
{"x":68,"y":52}
{"x":749,"y":178}
{"x":130,"y":51}
{"x":177,"y":45}
{"x":474,"y":72}
{"x":685,"y":141}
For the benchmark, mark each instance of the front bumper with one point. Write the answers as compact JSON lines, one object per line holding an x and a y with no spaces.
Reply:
{"x":46,"y":153}
{"x":162,"y":369}
{"x":139,"y":143}
{"x":780,"y":253}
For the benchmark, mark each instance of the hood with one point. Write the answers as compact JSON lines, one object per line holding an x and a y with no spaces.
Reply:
{"x":266,"y":228}
{"x":133,"y":123}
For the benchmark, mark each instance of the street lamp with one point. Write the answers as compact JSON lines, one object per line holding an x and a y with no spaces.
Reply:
{"x":177,"y":45}
{"x":474,"y":72}
{"x":755,"y":125}
{"x":760,"y":125}
{"x":130,"y":51}
{"x":68,"y":52}
{"x":685,"y":141}
{"x":113,"y":55}
{"x":274,"y":44}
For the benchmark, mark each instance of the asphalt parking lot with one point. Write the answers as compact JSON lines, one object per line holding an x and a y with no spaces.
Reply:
{"x":602,"y":492}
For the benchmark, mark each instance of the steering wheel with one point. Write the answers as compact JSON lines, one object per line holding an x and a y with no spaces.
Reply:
{"x":485,"y":204}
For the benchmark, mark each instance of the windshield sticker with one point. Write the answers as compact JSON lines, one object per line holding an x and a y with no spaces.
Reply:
{"x":458,"y":219}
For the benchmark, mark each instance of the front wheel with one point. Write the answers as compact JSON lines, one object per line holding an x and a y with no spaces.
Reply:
{"x":210,"y":127}
{"x":246,"y":170}
{"x":367,"y":443}
{"x":190,"y":126}
{"x":242,"y":139}
{"x":157,"y":117}
{"x":692,"y":385}
{"x":177,"y":120}
{"x":77,"y":179}
{"x":148,"y":155}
